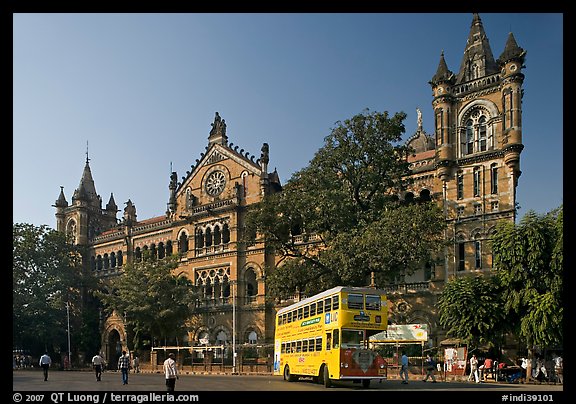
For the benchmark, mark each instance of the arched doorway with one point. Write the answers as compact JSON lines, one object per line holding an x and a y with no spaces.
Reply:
{"x":113,"y":349}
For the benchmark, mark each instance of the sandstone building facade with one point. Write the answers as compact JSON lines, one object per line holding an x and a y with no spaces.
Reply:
{"x":470,"y":165}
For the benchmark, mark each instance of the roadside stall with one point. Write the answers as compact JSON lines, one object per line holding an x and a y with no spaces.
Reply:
{"x":455,"y":354}
{"x":409,"y":337}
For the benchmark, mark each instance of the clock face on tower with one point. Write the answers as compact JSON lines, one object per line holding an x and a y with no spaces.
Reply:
{"x":215,"y":183}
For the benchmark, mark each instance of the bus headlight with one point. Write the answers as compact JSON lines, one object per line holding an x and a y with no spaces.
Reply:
{"x":344,"y":365}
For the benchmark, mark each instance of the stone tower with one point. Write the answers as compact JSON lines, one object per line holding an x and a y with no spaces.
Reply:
{"x":478,"y":141}
{"x":84,"y":218}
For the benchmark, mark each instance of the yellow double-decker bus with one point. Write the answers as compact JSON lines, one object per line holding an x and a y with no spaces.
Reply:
{"x":326,"y":336}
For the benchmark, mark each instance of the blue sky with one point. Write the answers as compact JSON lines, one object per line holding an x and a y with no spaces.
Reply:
{"x":141,"y":91}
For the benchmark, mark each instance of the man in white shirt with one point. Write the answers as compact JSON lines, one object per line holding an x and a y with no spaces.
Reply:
{"x":45,"y":362}
{"x":97,"y":363}
{"x":171,"y":372}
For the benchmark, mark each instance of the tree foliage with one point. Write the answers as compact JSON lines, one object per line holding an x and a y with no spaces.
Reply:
{"x":471,"y":309}
{"x":47,"y":274}
{"x":153,"y":301}
{"x":528,"y":258}
{"x":523,"y":295}
{"x":338,"y":220}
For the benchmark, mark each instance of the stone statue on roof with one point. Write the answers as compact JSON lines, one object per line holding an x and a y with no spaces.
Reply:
{"x":419,"y":118}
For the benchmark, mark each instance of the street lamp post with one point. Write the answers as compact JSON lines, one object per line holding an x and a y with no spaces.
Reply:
{"x":233,"y":329}
{"x":68,"y":318}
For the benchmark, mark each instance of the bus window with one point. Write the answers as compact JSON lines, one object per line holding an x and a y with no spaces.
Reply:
{"x":283,"y":348}
{"x":300,"y":313}
{"x":312,"y":309}
{"x":311,"y":345}
{"x":372,"y":302}
{"x":328,"y":341}
{"x":306,"y":311}
{"x":327,"y":304}
{"x":318,"y":344}
{"x":289,"y":317}
{"x":352,"y":338}
{"x":298,"y":346}
{"x":355,"y":301}
{"x":335,"y":302}
{"x":335,"y":339}
{"x":305,"y":345}
{"x":320,"y":307}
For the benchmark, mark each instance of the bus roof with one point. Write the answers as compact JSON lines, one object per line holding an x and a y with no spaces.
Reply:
{"x":328,"y":292}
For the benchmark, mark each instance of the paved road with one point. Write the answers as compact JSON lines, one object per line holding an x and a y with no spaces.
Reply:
{"x":32,"y":380}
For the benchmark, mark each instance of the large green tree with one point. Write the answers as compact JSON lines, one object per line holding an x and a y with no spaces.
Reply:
{"x":155,"y":303}
{"x":472,"y":310}
{"x":46,"y":276}
{"x":528,"y":258}
{"x":339,"y":221}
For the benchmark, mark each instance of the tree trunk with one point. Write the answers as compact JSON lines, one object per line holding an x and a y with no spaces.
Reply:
{"x":529,"y":365}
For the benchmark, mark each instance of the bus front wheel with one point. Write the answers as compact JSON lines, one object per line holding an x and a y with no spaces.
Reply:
{"x":326,"y":377}
{"x":289,"y":377}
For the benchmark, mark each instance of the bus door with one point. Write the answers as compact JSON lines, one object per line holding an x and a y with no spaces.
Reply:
{"x":332,"y":339}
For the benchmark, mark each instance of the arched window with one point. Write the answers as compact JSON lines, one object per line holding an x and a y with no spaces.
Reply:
{"x":476,"y":134}
{"x":209,"y":290}
{"x":199,"y":238}
{"x":482,"y":133}
{"x":469,"y":137}
{"x":120,"y":258}
{"x":208,"y":237}
{"x":106,"y":261}
{"x":251,"y":284}
{"x":161,"y":250}
{"x":112,"y":260}
{"x":425,"y":196}
{"x":477,"y":184}
{"x":252,"y":337}
{"x":478,"y":254}
{"x":183,"y":243}
{"x":204,"y":338}
{"x":226,"y":234}
{"x":138,"y":254}
{"x":71,"y":231}
{"x":409,"y":197}
{"x":217,"y":235}
{"x":460,"y":185}
{"x":493,"y":178}
{"x":221,"y":338}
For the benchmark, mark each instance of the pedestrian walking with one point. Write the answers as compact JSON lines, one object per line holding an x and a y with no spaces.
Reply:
{"x":136,"y":364}
{"x":558,"y":369}
{"x":430,"y":366}
{"x":98,"y":363}
{"x":474,"y":369}
{"x":45,"y":362}
{"x":171,"y":372}
{"x":404,"y":368}
{"x":124,"y":366}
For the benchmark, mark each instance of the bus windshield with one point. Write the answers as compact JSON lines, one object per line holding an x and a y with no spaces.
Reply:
{"x":352,"y":338}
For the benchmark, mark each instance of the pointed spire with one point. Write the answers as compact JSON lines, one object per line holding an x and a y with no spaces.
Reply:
{"x":442,"y":73}
{"x":478,"y":60}
{"x":511,"y":51}
{"x":111,"y":205}
{"x":61,"y":202}
{"x":87,"y":183}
